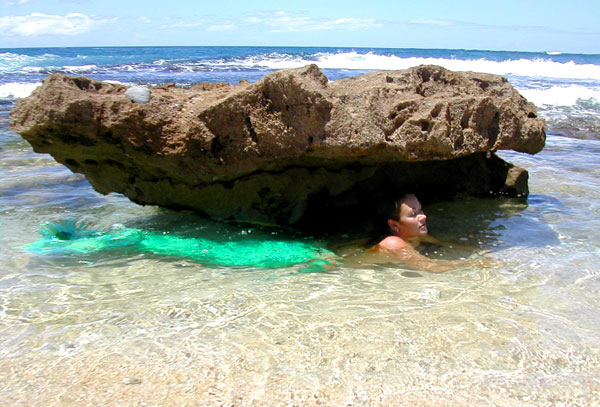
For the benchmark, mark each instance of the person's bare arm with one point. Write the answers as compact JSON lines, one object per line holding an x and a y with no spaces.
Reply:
{"x":413,"y":259}
{"x":433,"y":240}
{"x":395,"y":248}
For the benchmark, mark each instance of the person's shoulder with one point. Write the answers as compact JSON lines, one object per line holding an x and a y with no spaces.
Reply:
{"x":392,"y":243}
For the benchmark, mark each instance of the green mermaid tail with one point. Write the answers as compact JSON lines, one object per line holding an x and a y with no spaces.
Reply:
{"x":70,"y":237}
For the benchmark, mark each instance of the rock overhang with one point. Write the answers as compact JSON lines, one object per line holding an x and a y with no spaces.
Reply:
{"x":291,"y":145}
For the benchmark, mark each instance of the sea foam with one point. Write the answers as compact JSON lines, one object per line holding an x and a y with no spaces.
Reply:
{"x":80,"y":68}
{"x":10,"y":61}
{"x":17,"y":90}
{"x":562,"y":95}
{"x":370,"y":61}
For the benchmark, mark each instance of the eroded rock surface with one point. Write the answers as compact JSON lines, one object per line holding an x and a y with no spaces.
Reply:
{"x":292,"y":147}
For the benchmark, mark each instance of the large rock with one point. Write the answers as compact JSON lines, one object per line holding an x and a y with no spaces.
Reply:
{"x":291,"y":148}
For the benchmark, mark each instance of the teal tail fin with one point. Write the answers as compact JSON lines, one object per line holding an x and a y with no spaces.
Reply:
{"x":69,"y":237}
{"x":68,"y":229}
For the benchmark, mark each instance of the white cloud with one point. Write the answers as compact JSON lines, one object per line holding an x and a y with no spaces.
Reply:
{"x":438,"y":23}
{"x":348,"y":24}
{"x":46,"y":24}
{"x":222,"y":27}
{"x":145,"y":19}
{"x":281,"y":21}
{"x":182,"y":24}
{"x":252,"y":20}
{"x":203,"y":22}
{"x":15,"y":2}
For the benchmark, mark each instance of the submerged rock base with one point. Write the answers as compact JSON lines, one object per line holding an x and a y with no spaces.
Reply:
{"x":292,"y":148}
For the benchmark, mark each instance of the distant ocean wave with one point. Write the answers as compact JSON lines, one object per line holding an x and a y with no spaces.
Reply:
{"x":14,"y":61}
{"x":351,"y":60}
{"x":537,"y":67}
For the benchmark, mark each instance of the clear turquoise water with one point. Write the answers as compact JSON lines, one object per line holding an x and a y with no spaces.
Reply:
{"x":524,"y":332}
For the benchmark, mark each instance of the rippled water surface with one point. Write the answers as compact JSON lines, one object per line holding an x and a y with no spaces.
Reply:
{"x":525,"y":330}
{"x":130,"y":327}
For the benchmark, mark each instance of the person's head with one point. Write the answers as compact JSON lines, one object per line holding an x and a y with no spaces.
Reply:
{"x":408,"y":219}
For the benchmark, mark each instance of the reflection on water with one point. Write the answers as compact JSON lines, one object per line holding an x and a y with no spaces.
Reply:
{"x":169,"y":330}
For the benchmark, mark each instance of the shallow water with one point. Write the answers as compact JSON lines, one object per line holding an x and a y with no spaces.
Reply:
{"x":524,"y":330}
{"x":127,"y":327}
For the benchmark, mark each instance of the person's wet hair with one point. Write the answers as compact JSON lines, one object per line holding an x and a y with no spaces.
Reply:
{"x":390,"y":211}
{"x":395,"y":212}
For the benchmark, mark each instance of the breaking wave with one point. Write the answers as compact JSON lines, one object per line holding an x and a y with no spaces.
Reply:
{"x":17,"y":90}
{"x":10,"y":61}
{"x":537,"y":67}
{"x":563,"y":95}
{"x":541,"y":65}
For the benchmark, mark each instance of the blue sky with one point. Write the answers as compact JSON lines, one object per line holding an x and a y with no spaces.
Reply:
{"x":517,"y":25}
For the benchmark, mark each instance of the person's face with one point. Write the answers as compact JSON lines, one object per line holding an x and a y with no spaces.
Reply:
{"x":412,"y":221}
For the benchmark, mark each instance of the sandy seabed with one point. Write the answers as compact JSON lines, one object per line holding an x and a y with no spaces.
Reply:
{"x":188,"y":379}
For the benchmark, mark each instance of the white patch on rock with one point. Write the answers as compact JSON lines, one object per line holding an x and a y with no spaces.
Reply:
{"x":138,"y":94}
